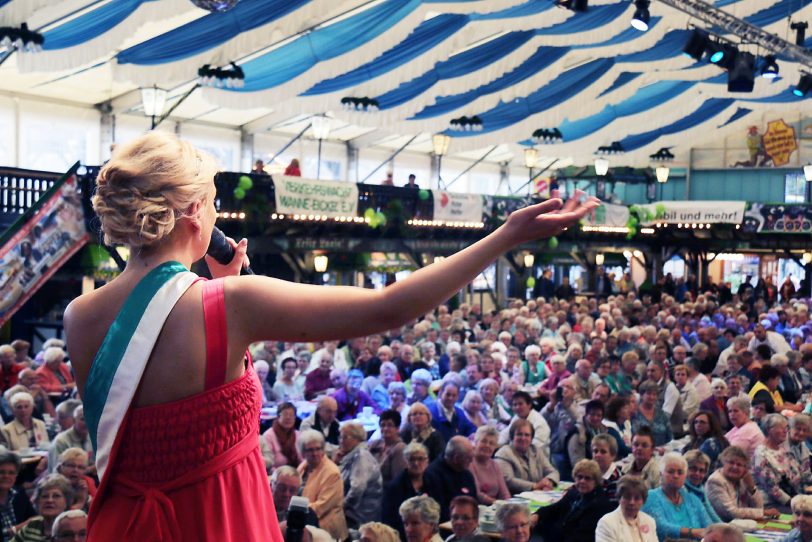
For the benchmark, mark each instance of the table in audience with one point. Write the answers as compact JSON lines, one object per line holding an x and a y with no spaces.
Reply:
{"x":769,"y":531}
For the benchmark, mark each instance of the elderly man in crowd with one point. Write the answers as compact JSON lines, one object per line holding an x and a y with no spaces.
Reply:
{"x":74,"y":437}
{"x":363,"y":485}
{"x":324,"y":421}
{"x":449,"y":474}
{"x":522,"y":405}
{"x":447,"y":417}
{"x":285,"y":484}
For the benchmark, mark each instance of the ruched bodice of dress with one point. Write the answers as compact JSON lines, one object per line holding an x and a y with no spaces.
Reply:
{"x":165,"y":441}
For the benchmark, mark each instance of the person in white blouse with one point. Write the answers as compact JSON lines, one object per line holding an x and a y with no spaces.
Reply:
{"x":628,"y":523}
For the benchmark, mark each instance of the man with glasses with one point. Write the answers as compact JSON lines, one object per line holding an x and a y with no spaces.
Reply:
{"x":324,"y":421}
{"x":285,"y":484}
{"x":70,"y":526}
{"x":465,"y":520}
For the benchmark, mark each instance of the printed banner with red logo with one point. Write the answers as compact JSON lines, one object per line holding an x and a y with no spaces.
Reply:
{"x":456,"y":207}
{"x":35,"y":248}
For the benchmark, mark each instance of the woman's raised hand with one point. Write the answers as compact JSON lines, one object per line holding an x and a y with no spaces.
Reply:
{"x":549,"y":218}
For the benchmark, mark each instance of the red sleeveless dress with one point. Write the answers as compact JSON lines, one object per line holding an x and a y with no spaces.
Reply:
{"x":191,"y":470}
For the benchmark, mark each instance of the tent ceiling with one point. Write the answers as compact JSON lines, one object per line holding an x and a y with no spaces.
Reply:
{"x":519,"y":65}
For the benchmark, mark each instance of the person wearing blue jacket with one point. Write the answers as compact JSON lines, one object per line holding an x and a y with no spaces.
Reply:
{"x":446,"y":417}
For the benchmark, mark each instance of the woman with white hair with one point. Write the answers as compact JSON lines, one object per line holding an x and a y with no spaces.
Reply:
{"x":262,"y":369}
{"x":70,"y":525}
{"x":52,"y":496}
{"x":24,"y":431}
{"x":490,"y":483}
{"x":778,"y":475}
{"x":746,"y":434}
{"x":472,"y":408}
{"x":513,"y":522}
{"x":55,"y":376}
{"x":717,"y":403}
{"x":679,"y":513}
{"x":801,"y":519}
{"x":421,"y":519}
{"x":533,"y":366}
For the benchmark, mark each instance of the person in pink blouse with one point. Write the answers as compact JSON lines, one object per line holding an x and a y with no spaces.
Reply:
{"x":490,"y":483}
{"x":745,"y":434}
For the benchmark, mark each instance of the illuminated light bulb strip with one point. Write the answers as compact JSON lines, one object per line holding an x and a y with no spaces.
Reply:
{"x":647,"y":231}
{"x":695,"y":226}
{"x":320,"y":218}
{"x":444,"y":224}
{"x":606,"y":229}
{"x":231,"y":215}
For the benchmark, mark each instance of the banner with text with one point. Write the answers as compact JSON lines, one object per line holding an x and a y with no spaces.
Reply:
{"x":32,"y":250}
{"x":295,"y":195}
{"x":616,"y":216}
{"x":778,"y":218}
{"x":704,"y":212}
{"x":456,"y":207}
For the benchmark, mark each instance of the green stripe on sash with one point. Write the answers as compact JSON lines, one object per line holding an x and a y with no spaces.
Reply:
{"x":115,"y":343}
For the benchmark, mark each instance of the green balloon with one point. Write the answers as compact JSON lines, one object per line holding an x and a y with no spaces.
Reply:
{"x":531,"y":281}
{"x":423,"y":194}
{"x":239,"y":193}
{"x":553,"y":243}
{"x":369,"y":214}
{"x":245,"y":182}
{"x":381,"y":218}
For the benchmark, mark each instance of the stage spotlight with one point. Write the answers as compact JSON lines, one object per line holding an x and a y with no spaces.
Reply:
{"x":803,"y":86}
{"x":722,"y":54}
{"x":641,"y":15}
{"x":769,"y":67}
{"x":740,"y":78}
{"x":696,"y":45}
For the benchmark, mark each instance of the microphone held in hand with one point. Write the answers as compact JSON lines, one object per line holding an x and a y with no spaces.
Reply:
{"x":222,"y":251}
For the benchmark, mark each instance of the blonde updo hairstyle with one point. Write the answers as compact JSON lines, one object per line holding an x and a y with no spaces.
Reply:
{"x":147,"y":186}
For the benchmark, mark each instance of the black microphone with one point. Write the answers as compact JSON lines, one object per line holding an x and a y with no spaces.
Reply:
{"x":222,"y":251}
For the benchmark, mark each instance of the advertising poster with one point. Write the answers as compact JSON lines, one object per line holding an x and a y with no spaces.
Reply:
{"x":778,"y":218}
{"x":35,"y":248}
{"x":295,"y":195}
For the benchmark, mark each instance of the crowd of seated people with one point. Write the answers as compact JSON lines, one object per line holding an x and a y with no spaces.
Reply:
{"x":669,"y":413}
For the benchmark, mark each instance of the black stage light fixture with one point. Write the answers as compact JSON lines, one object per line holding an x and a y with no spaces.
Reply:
{"x":216,"y":6}
{"x":804,"y":85}
{"x":800,"y":32}
{"x":697,"y":44}
{"x":722,"y":54}
{"x":641,"y":15}
{"x":769,"y":67}
{"x":741,"y":76}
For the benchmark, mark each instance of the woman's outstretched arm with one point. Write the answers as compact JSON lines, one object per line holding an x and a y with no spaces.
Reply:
{"x":266,"y":308}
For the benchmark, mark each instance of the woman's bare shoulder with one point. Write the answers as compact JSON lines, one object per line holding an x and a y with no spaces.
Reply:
{"x":86,"y":321}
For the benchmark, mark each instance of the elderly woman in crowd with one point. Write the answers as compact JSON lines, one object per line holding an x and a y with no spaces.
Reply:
{"x":698,"y":465}
{"x":732,"y":490}
{"x":489,"y":390}
{"x":650,"y":415}
{"x":628,"y":523}
{"x":618,"y":422}
{"x":490,"y":483}
{"x":799,"y":431}
{"x":279,"y":442}
{"x":323,"y":486}
{"x":286,"y":388}
{"x":643,"y":462}
{"x":375,"y":531}
{"x":421,"y":380}
{"x":533,"y":366}
{"x":55,"y":376}
{"x":523,"y":464}
{"x":604,"y":453}
{"x":16,"y":506}
{"x":405,"y":485}
{"x":25,"y":431}
{"x":766,"y":389}
{"x":377,"y":386}
{"x":802,"y":520}
{"x":52,"y":496}
{"x":363,"y":487}
{"x":397,"y":399}
{"x":778,"y":475}
{"x":472,"y":408}
{"x":717,"y":403}
{"x":706,"y":436}
{"x":679,"y":513}
{"x":419,"y":429}
{"x":513,"y":522}
{"x":745,"y":434}
{"x":575,"y":516}
{"x":421,"y":518}
{"x":72,"y":464}
{"x":262,"y":368}
{"x":388,"y":450}
{"x":558,"y":374}
{"x":502,"y":410}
